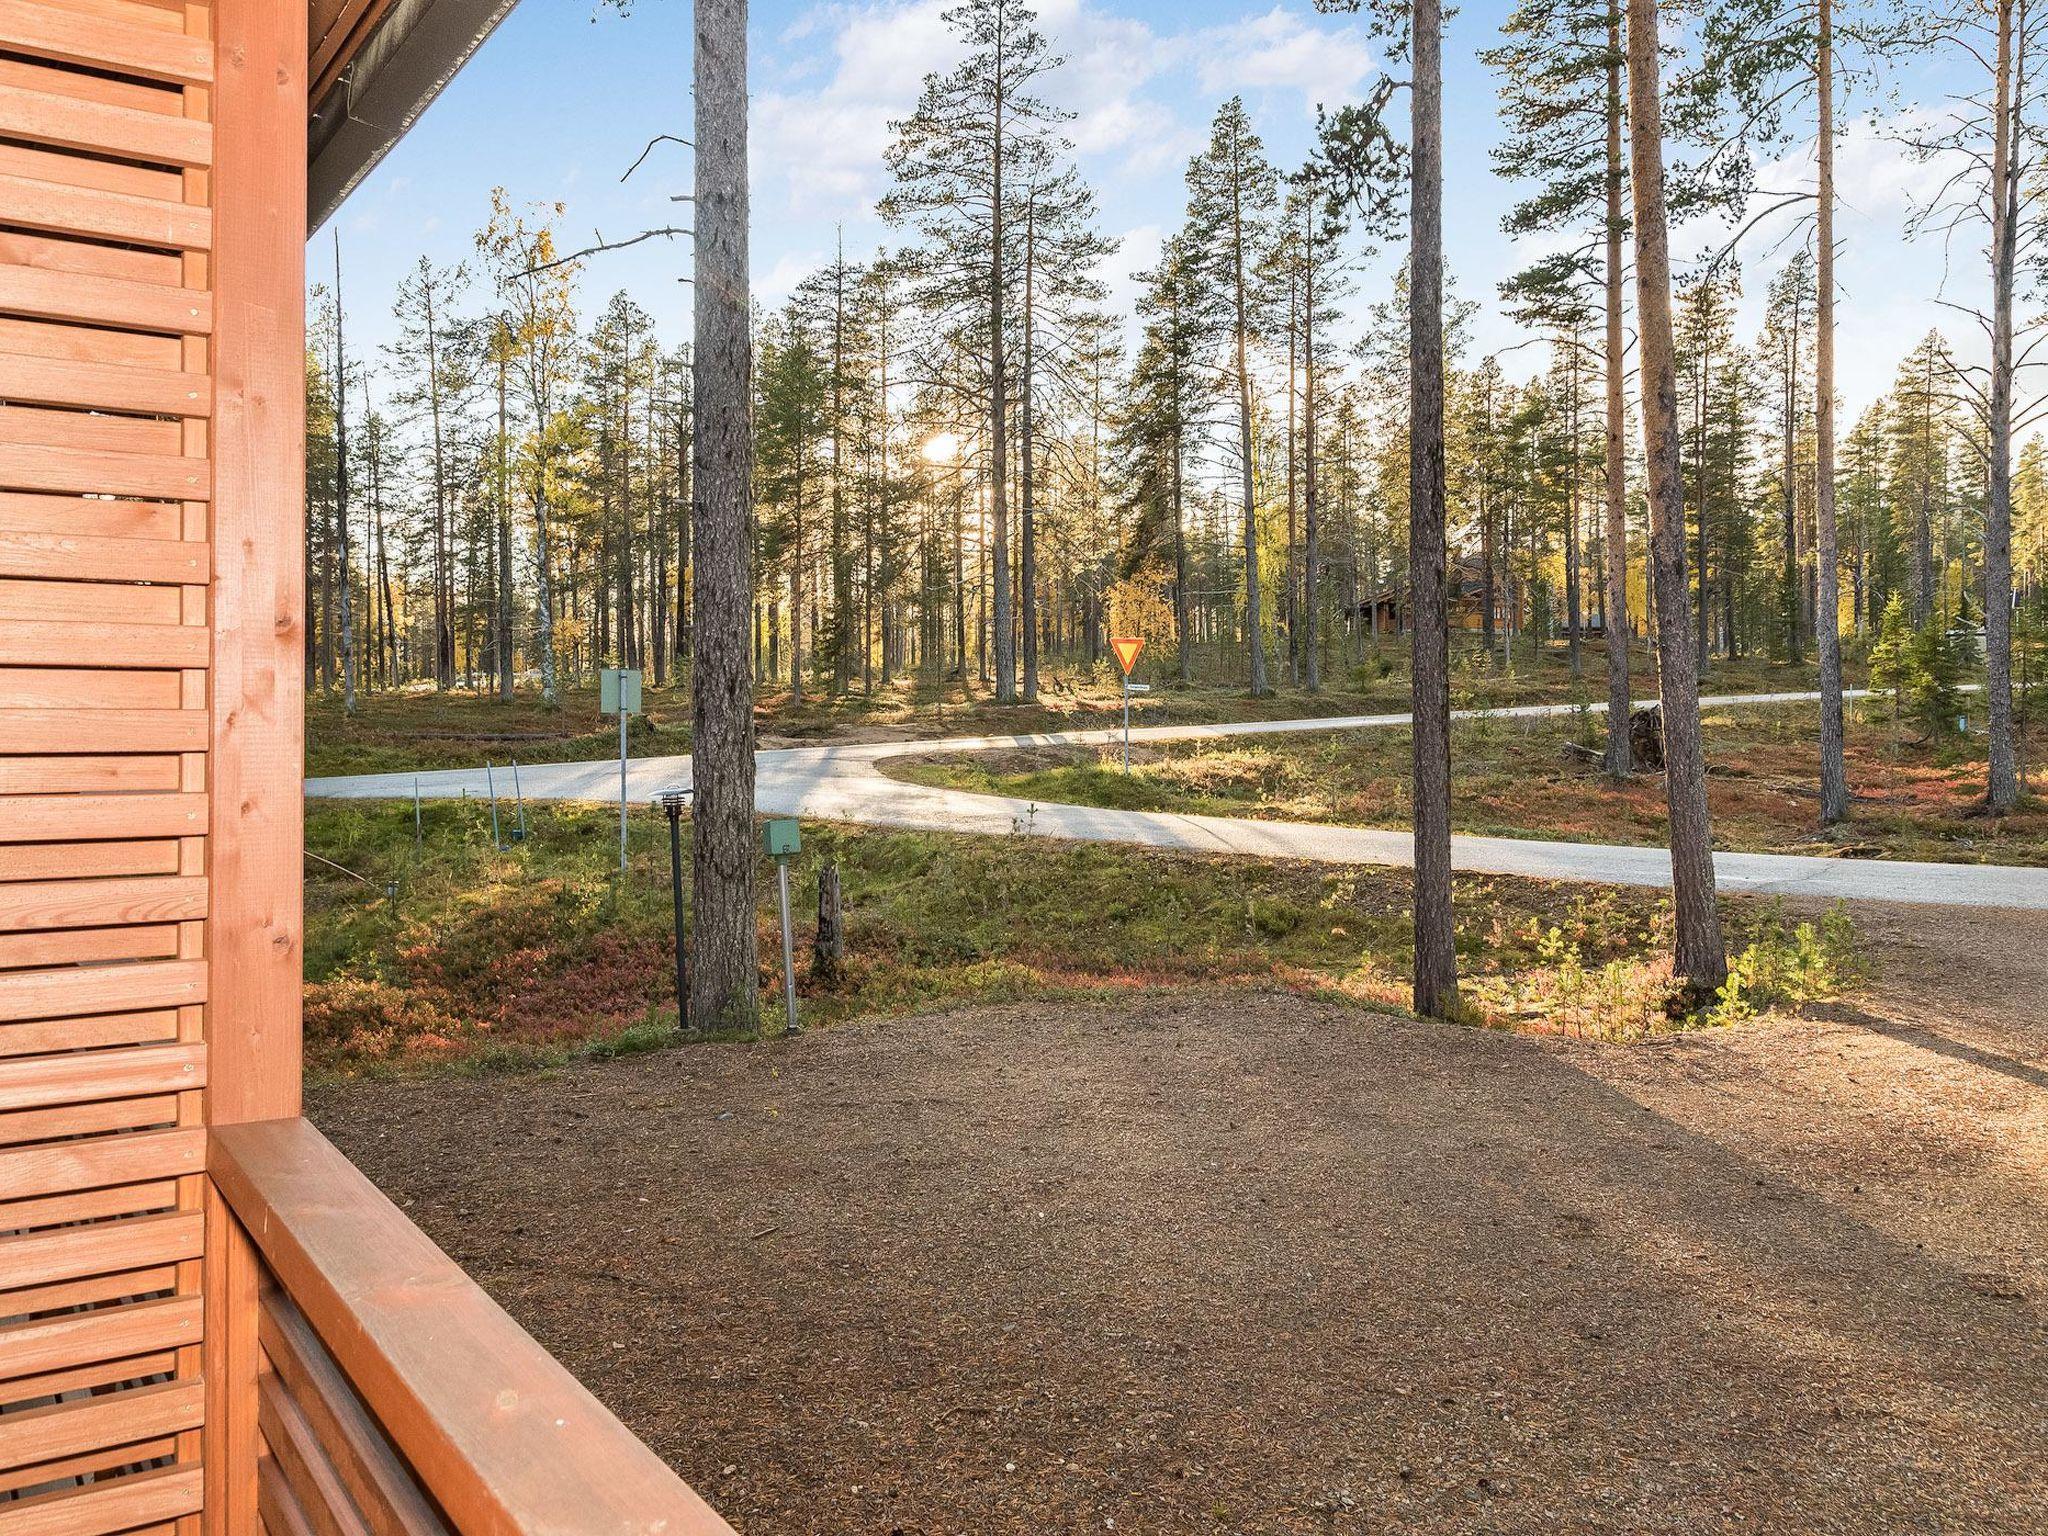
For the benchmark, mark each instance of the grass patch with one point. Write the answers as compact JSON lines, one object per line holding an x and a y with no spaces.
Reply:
{"x":539,"y":953}
{"x":1516,"y":777}
{"x":419,"y":728}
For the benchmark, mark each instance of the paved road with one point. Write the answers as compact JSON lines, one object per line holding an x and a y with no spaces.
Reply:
{"x":847,"y":783}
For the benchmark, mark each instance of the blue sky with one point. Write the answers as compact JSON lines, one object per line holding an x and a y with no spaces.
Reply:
{"x":561,"y":99}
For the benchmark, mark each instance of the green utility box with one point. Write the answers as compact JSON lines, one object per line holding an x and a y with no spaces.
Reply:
{"x":780,"y":839}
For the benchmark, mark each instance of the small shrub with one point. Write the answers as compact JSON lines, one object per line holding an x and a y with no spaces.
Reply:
{"x":1788,"y":963}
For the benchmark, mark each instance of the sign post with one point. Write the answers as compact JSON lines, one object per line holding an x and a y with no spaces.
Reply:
{"x":618,"y":693}
{"x":1127,"y":651}
{"x":781,"y":839}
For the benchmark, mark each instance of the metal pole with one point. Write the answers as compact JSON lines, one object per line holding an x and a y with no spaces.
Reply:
{"x":519,"y":799}
{"x":622,"y":783}
{"x":1127,"y":724}
{"x":675,"y":871}
{"x":418,"y":831}
{"x":491,"y":784}
{"x":788,"y":949}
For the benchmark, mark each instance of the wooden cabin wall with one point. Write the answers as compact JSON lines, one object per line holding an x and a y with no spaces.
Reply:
{"x":151,"y":406}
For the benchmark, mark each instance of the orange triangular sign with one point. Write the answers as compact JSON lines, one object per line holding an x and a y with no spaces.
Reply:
{"x":1127,"y":651}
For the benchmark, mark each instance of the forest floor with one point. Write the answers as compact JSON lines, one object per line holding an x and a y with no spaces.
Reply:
{"x":1521,"y":777}
{"x":419,"y":728}
{"x":1182,"y":1261}
{"x":538,"y":952}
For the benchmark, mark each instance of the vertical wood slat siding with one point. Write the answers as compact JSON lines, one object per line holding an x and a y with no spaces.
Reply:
{"x":106,"y":656}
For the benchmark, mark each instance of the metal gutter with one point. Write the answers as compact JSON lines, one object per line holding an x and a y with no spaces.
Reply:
{"x":416,"y":49}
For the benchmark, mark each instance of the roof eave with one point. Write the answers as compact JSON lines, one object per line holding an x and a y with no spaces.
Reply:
{"x":413,"y":51}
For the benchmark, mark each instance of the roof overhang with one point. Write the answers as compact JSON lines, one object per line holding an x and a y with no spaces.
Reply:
{"x":374,"y":66}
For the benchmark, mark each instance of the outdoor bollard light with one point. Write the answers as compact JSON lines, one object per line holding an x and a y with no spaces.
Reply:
{"x":673,"y":801}
{"x":781,"y":840}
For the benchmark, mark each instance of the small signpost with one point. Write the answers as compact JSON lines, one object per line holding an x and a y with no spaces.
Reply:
{"x":781,"y":840}
{"x":1128,"y":649}
{"x":618,"y":693}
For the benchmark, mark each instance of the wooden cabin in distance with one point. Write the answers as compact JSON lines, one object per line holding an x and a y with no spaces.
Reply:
{"x":210,"y":1322}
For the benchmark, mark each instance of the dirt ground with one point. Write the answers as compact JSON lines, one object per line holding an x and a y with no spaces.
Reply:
{"x":1243,"y":1263}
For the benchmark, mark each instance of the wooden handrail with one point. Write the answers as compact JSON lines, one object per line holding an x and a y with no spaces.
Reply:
{"x":506,"y":1441}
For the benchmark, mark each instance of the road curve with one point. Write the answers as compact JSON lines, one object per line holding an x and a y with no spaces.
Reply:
{"x":847,"y":783}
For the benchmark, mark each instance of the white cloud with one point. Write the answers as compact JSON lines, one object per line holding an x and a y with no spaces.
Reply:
{"x":791,"y":267}
{"x":1140,"y":94}
{"x":1137,"y":249}
{"x":825,"y":142}
{"x":1286,"y":50}
{"x":1108,"y":61}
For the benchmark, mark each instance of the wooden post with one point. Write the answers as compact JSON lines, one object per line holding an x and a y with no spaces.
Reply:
{"x":255,"y":949}
{"x":828,"y":950}
{"x":258,"y":827}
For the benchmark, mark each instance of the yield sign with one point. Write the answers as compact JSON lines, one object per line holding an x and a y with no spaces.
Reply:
{"x":1127,"y":651}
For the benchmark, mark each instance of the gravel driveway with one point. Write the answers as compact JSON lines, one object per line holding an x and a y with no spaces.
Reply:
{"x":1205,"y":1262}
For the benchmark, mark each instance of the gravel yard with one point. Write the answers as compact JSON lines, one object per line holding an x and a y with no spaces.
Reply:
{"x":1229,"y":1262}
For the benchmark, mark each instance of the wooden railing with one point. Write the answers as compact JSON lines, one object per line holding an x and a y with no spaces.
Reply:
{"x":391,"y":1394}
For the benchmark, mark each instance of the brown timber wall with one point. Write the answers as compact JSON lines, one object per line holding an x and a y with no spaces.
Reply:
{"x":106,"y":729}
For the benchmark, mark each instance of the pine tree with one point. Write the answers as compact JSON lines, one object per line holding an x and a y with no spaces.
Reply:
{"x":1992,"y":138}
{"x":1700,"y":957}
{"x":1787,"y":320}
{"x":1561,"y":63}
{"x":1233,"y":194}
{"x":1168,"y":399}
{"x":1891,"y":657}
{"x":1357,"y":143}
{"x":723,"y":974}
{"x":1922,"y":422}
{"x":961,"y":163}
{"x":432,"y":361}
{"x":1062,"y":252}
{"x":1309,"y":256}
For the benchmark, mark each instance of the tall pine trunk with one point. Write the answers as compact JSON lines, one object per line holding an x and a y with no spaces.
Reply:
{"x":347,"y":598}
{"x":1834,"y":778}
{"x":1700,"y":958}
{"x":1289,"y":612}
{"x":1311,"y":517}
{"x":723,"y":983}
{"x":1793,"y":650}
{"x":1253,"y":619}
{"x":1614,"y":621}
{"x":1436,"y":955}
{"x":999,"y":426}
{"x":2002,"y":776}
{"x":1573,"y":603}
{"x":1026,"y":511}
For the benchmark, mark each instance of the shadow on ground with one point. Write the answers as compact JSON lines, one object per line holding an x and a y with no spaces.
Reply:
{"x":1243,"y":1263}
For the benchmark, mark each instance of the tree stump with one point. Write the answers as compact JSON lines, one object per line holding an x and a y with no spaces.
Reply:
{"x":828,"y":949}
{"x":1646,"y":740}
